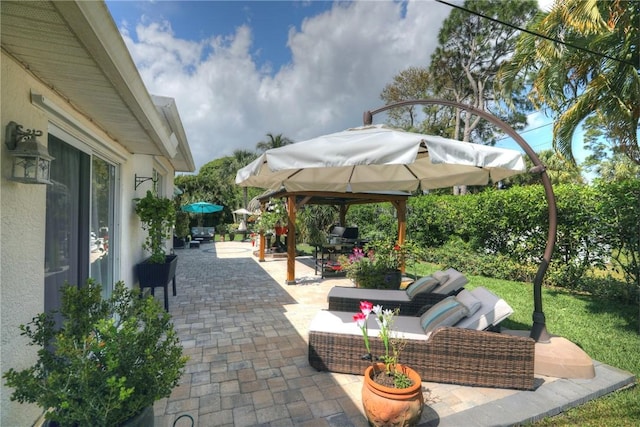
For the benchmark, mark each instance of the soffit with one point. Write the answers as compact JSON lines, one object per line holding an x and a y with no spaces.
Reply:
{"x":75,"y":48}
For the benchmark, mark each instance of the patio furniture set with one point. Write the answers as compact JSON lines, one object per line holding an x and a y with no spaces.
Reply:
{"x":341,"y":241}
{"x":451,"y":334}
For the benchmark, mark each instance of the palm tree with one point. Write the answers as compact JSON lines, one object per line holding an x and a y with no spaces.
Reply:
{"x":559,"y":169}
{"x":241,"y":158}
{"x":273,"y":142}
{"x":587,"y":63}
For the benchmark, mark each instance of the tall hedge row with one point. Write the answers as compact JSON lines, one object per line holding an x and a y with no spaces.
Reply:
{"x":505,"y":232}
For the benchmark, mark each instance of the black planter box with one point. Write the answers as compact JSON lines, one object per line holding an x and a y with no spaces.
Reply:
{"x":158,"y":275}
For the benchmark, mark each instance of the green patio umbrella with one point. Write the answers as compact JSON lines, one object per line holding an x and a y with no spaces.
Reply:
{"x":202,"y":208}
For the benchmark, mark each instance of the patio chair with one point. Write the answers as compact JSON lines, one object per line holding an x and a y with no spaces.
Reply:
{"x":412,"y":301}
{"x":465,"y":353}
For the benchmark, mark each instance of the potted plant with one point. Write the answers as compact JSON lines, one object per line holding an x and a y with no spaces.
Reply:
{"x":222,"y":231}
{"x":233,"y":228}
{"x":391,"y":392}
{"x":182,"y":228}
{"x":378,"y":265}
{"x":107,"y":363}
{"x":158,"y":217}
{"x":272,"y":217}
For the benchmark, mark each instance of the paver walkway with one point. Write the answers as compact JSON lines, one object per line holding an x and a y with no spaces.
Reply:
{"x":245,"y":333}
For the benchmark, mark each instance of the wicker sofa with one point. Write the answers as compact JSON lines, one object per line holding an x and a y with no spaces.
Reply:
{"x":449,"y":354}
{"x":343,"y":298}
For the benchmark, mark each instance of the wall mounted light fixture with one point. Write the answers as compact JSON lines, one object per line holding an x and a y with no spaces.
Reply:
{"x":31,"y":159}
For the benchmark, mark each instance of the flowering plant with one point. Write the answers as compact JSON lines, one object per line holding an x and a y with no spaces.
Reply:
{"x":274,"y":214}
{"x":392,"y":345}
{"x":374,"y":267}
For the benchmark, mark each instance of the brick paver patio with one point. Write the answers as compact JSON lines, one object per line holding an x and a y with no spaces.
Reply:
{"x":245,"y":332}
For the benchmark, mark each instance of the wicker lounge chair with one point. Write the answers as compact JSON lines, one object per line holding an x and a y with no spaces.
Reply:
{"x":342,"y":298}
{"x":456,"y":355}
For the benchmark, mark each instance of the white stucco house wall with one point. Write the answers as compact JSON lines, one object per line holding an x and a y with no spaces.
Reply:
{"x":66,"y":71}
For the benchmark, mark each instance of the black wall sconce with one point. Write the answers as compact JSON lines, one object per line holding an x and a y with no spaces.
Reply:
{"x":141,"y":179}
{"x":31,"y":159}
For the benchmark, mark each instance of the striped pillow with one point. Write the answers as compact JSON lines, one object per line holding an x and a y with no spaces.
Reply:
{"x":445,"y":313}
{"x":423,"y":284}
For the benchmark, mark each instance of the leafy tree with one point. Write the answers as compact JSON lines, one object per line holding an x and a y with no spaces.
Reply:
{"x":313,"y":223}
{"x":463,"y":69}
{"x":412,"y":83}
{"x":586,"y":64}
{"x":465,"y":64}
{"x":212,"y":184}
{"x":606,"y":160}
{"x":273,"y":141}
{"x":215,"y":183}
{"x":618,"y":168}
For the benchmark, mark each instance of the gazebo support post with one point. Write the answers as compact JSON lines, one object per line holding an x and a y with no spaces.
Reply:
{"x":291,"y":240}
{"x":343,"y":215}
{"x":262,"y":242}
{"x":539,"y":330}
{"x":401,"y":210}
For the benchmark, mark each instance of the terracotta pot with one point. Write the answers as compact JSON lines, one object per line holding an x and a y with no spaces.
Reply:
{"x":386,"y":406}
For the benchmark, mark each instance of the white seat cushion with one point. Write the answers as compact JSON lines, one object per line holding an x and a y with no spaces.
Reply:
{"x":341,"y":322}
{"x":492,"y":311}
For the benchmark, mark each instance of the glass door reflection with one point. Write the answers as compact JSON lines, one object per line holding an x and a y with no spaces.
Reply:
{"x":101,"y":234}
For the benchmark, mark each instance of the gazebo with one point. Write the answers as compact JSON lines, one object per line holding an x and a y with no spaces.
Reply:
{"x":557,"y":356}
{"x":297,"y":199}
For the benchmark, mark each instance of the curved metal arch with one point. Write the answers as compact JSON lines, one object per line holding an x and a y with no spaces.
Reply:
{"x":539,"y":330}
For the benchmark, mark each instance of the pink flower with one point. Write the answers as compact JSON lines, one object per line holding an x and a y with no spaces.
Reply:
{"x":360,"y":319}
{"x":366,"y":307}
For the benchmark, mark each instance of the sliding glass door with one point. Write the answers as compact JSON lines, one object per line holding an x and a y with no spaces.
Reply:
{"x":80,"y":221}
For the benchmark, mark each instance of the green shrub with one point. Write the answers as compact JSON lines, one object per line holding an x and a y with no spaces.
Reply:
{"x":110,"y":359}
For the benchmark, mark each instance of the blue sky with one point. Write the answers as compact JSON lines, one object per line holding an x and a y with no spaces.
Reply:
{"x":239,"y":70}
{"x":270,"y":21}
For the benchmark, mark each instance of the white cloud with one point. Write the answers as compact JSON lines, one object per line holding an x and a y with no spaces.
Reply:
{"x":545,"y":5}
{"x":341,"y":61}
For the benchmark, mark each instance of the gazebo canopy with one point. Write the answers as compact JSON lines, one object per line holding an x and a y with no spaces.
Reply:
{"x":376,"y":158}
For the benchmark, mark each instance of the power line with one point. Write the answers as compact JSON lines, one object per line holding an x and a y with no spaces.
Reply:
{"x":533,"y":33}
{"x":528,"y":130}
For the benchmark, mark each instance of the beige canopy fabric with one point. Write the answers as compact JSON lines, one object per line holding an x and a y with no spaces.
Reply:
{"x":243,"y":211}
{"x":379,"y":158}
